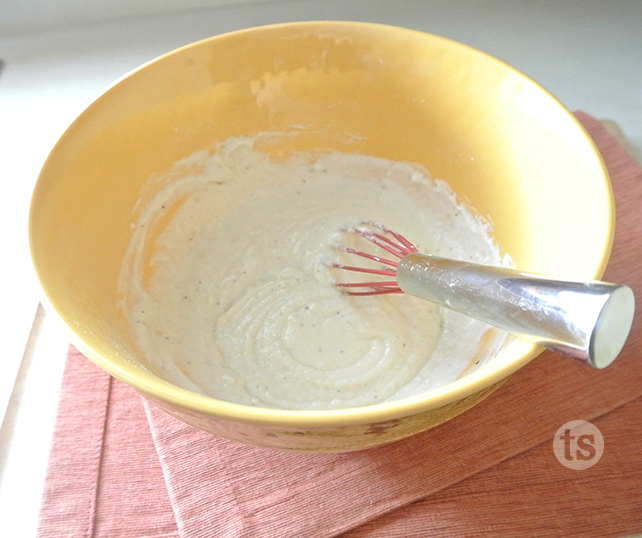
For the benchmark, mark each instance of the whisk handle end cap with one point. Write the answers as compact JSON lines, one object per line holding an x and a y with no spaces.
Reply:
{"x":612,"y":327}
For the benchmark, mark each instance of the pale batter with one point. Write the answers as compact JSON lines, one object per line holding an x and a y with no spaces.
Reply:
{"x":229,"y":293}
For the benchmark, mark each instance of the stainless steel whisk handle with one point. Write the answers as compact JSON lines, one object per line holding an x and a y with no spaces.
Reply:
{"x":585,"y":320}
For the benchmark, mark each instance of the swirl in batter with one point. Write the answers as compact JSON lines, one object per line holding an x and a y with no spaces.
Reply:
{"x":228,"y":290}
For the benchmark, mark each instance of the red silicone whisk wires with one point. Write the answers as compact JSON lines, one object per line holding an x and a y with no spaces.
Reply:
{"x":392,"y":242}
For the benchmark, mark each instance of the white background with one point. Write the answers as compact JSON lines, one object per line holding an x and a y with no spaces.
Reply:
{"x":60,"y":54}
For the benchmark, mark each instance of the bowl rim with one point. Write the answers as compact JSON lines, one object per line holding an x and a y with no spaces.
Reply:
{"x":161,"y":391}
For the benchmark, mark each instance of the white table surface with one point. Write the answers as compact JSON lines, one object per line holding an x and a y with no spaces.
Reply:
{"x":586,"y":52}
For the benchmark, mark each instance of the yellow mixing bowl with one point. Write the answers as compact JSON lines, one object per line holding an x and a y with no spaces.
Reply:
{"x":505,"y":145}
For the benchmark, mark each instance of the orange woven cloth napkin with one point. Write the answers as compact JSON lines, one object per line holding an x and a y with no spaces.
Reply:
{"x":119,"y":467}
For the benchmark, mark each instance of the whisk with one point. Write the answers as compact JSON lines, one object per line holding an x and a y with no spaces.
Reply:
{"x":589,"y":321}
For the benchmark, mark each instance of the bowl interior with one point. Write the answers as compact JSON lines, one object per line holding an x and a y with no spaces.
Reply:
{"x":503,"y":144}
